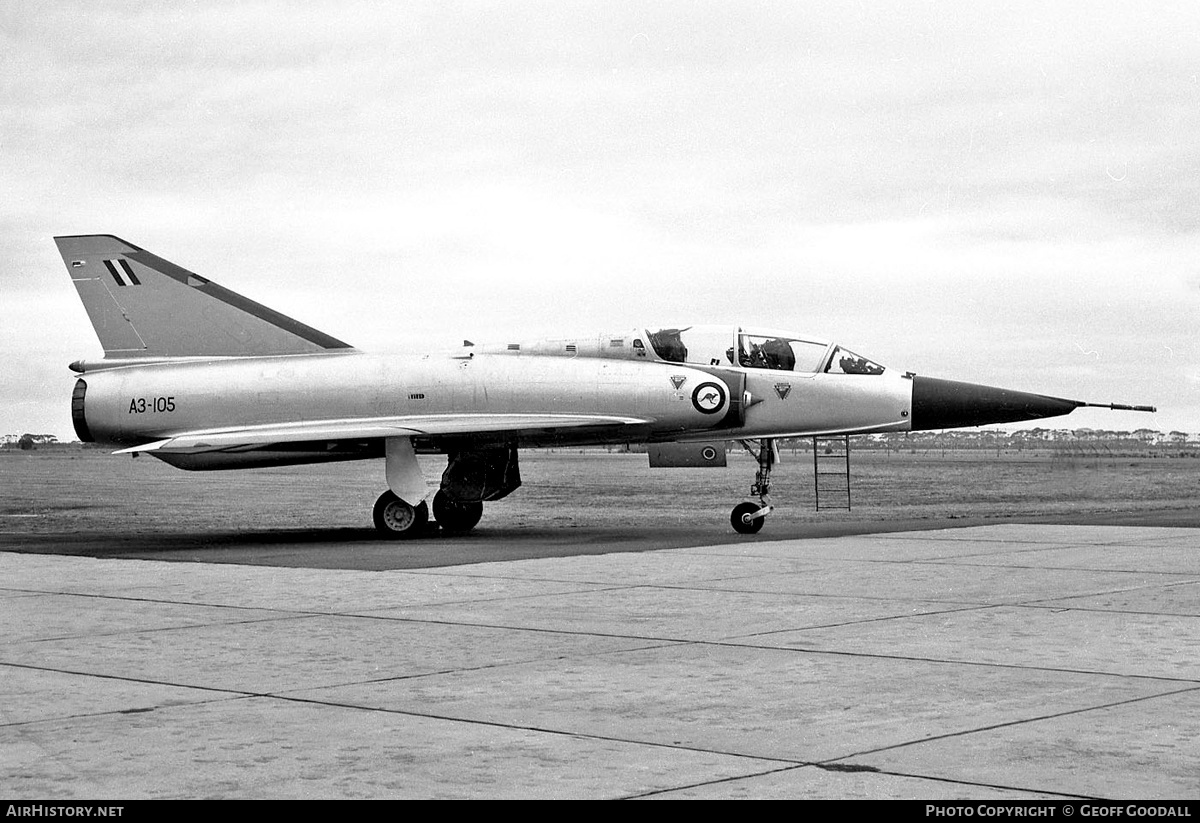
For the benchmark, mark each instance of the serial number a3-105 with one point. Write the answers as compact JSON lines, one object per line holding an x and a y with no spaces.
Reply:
{"x":142,"y":405}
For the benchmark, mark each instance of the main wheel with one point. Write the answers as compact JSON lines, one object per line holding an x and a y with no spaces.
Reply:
{"x":454,"y":516}
{"x":396,"y":519}
{"x":741,"y":520}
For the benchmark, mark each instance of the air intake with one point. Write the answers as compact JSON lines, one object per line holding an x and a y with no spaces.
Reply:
{"x":77,"y":416}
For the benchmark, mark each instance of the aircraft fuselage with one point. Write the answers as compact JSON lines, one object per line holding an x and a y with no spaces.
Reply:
{"x":128,"y":406}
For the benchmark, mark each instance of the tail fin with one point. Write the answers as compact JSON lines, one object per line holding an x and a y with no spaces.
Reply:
{"x":143,"y":306}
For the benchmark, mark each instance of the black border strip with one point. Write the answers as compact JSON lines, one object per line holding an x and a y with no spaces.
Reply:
{"x":236,"y":300}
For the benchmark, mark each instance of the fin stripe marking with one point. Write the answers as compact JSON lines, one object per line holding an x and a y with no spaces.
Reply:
{"x":129,"y":272}
{"x":113,"y":271}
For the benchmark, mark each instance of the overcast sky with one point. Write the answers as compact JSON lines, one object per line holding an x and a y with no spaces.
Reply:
{"x":1005,"y":193}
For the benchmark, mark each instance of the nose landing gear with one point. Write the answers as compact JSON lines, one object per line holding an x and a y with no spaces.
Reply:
{"x":748,"y":518}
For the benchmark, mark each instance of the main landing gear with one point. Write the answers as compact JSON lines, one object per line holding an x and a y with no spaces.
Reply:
{"x":456,"y":516}
{"x":471,"y":477}
{"x":398,"y":520}
{"x":748,"y":518}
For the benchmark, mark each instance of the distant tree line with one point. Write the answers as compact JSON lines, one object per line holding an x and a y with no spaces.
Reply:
{"x":27,"y":442}
{"x":1022,"y":440}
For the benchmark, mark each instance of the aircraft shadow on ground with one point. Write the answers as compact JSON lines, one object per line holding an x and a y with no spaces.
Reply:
{"x":363,"y":548}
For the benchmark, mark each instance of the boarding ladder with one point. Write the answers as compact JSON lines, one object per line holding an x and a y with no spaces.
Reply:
{"x":831,"y":472}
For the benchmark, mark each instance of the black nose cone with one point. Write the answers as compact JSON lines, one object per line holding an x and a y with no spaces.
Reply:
{"x":949,"y":404}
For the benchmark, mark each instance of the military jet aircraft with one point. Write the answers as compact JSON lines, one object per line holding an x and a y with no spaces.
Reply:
{"x":204,"y":378}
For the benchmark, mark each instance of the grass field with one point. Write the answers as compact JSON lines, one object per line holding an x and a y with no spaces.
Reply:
{"x":66,"y":491}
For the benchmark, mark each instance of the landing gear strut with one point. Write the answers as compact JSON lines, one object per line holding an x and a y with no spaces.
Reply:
{"x":748,"y":518}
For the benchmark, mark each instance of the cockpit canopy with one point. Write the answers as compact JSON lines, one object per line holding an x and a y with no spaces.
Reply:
{"x":755,"y":349}
{"x":700,"y":345}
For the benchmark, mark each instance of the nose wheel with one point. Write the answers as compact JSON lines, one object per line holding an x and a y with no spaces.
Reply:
{"x":748,"y":518}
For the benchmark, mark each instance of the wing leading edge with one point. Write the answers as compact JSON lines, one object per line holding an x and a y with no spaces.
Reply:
{"x":453,"y":425}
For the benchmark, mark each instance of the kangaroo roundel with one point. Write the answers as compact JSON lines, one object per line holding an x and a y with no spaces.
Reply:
{"x":709,"y":398}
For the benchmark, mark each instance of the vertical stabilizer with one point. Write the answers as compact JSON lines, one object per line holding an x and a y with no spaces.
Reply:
{"x":144,"y":306}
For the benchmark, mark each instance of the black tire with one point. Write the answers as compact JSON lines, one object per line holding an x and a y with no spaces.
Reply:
{"x":396,"y":519}
{"x":738,"y":519}
{"x":455,"y":517}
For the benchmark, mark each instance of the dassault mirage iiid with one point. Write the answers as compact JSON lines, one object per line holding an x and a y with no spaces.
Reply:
{"x":204,"y":378}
